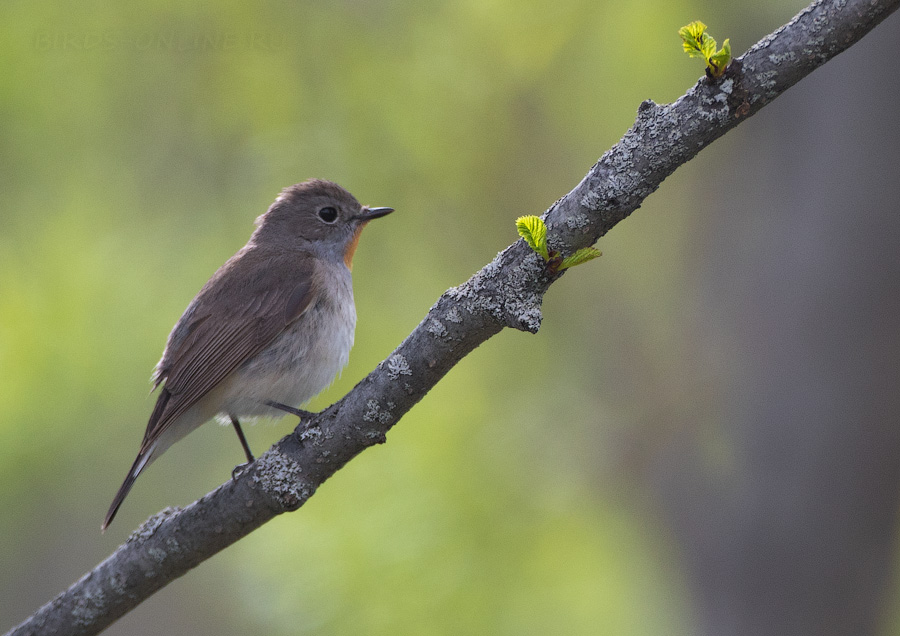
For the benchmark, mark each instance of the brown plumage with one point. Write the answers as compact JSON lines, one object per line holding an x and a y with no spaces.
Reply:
{"x":273,"y":325}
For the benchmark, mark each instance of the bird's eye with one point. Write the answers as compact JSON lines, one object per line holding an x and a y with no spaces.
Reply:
{"x":329,"y":214}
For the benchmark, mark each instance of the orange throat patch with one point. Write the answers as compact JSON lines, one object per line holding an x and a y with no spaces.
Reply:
{"x":351,"y":247}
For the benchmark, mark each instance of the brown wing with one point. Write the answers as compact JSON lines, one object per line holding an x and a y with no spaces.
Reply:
{"x":247,"y":303}
{"x":243,"y":307}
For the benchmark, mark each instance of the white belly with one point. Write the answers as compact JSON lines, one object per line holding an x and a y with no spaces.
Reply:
{"x":298,"y":364}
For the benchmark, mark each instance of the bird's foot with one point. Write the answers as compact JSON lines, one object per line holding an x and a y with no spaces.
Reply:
{"x":303,"y":415}
{"x":240,"y":469}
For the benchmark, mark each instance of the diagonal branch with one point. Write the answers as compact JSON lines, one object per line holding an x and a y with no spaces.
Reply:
{"x":505,"y":293}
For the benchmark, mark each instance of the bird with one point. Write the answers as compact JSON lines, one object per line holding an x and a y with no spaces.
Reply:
{"x":270,"y":329}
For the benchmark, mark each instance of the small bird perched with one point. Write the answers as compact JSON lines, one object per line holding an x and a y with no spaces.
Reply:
{"x":269,"y":330}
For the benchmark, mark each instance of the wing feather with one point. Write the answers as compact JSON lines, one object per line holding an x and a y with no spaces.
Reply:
{"x":237,"y":314}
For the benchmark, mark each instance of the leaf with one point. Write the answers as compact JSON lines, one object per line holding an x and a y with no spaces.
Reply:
{"x":534,"y":231}
{"x":698,"y":43}
{"x":692,"y":37}
{"x":718,"y":62}
{"x":583,"y":255}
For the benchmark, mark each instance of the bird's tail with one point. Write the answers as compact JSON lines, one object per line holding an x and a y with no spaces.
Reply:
{"x":151,"y":446}
{"x":140,"y":463}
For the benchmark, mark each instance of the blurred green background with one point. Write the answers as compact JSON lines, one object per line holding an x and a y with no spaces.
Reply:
{"x":701,"y":439}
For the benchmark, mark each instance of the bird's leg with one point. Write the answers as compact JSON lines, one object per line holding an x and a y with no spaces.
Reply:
{"x":303,"y":415}
{"x":309,"y":416}
{"x":250,"y":459}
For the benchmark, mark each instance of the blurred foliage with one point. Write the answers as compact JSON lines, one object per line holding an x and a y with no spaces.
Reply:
{"x":138,"y":143}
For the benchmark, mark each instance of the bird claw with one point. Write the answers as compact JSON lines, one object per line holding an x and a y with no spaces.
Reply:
{"x":239,"y":470}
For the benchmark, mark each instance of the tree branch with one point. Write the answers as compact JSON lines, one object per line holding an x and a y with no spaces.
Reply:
{"x":505,"y":293}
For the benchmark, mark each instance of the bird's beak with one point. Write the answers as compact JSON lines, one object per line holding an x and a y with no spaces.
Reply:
{"x":367,"y":213}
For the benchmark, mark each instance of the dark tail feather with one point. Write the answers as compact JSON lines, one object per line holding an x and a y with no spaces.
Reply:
{"x":143,"y":458}
{"x":139,"y":464}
